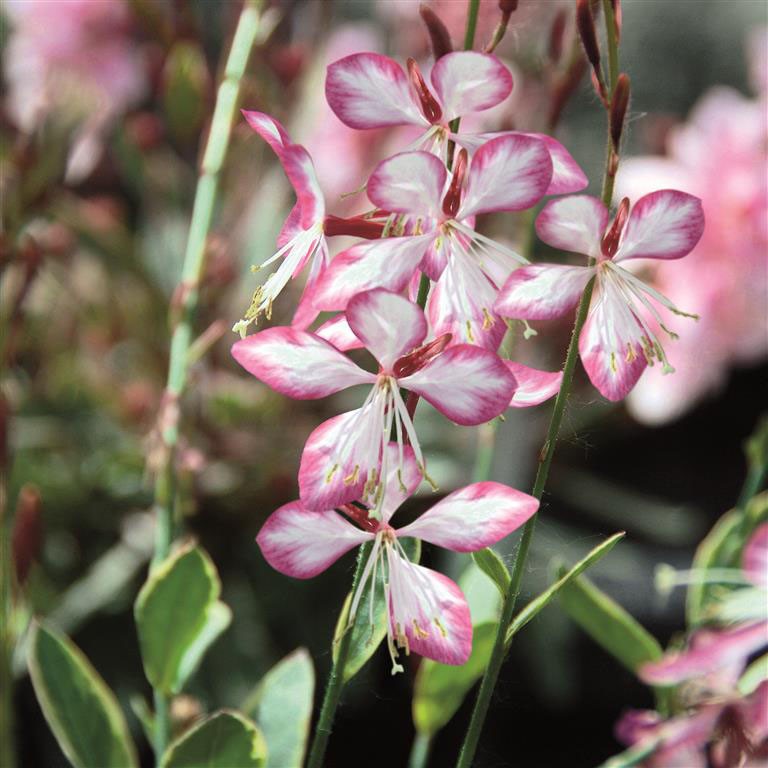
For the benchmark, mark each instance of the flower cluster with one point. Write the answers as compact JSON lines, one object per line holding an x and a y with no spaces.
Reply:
{"x":722,"y":717}
{"x":427,"y":295}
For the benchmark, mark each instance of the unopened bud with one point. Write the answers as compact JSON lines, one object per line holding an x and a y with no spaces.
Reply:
{"x":617,"y":18}
{"x":619,"y":103}
{"x":27,"y":533}
{"x":585,"y":23}
{"x":556,"y":34}
{"x":508,"y":6}
{"x":438,"y":33}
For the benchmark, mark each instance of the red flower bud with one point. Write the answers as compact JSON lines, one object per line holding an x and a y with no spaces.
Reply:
{"x":452,"y":197}
{"x":585,"y":23}
{"x":27,"y":535}
{"x":610,"y":242}
{"x":507,"y":6}
{"x":617,"y":18}
{"x":429,"y":105}
{"x":556,"y":34}
{"x":619,"y":103}
{"x":357,"y":226}
{"x":438,"y":33}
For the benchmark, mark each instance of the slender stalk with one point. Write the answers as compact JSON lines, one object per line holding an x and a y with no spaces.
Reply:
{"x":482,"y":703}
{"x":7,"y":741}
{"x":473,"y":9}
{"x":335,"y":683}
{"x":420,"y":751}
{"x":185,"y":304}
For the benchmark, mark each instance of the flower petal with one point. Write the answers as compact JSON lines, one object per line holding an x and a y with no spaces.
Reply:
{"x":473,"y":517}
{"x":467,"y":384}
{"x":337,"y":332}
{"x":461,"y":303}
{"x":611,"y":345}
{"x":533,"y":386}
{"x":387,"y":323}
{"x":713,"y":651}
{"x":321,"y":474}
{"x":401,"y":481}
{"x":302,"y":543}
{"x":663,"y":225}
{"x":755,"y":558}
{"x":409,"y":182}
{"x":428,"y":612}
{"x":575,"y":224}
{"x":298,"y":364}
{"x":542,"y":291}
{"x":567,"y":175}
{"x":388,"y":263}
{"x":468,"y":81}
{"x":367,"y":90}
{"x":298,"y":168}
{"x":509,"y":173}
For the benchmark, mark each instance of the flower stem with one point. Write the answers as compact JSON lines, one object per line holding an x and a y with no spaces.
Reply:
{"x":420,"y":751}
{"x":482,"y":703}
{"x":469,"y":33}
{"x":185,"y":304}
{"x":335,"y":683}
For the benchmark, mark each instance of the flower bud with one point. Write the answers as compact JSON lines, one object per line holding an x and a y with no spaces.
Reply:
{"x":617,"y":18}
{"x":556,"y":33}
{"x":585,"y":23}
{"x":27,"y":533}
{"x":619,"y":103}
{"x":508,"y":6}
{"x":438,"y":33}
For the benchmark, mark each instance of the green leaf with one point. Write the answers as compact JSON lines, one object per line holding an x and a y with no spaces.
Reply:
{"x":608,"y":624}
{"x":224,"y":740}
{"x":178,"y":616}
{"x":367,"y":636}
{"x":493,"y":566}
{"x":754,"y":674}
{"x":79,"y":707}
{"x":440,"y":688}
{"x":530,"y":610}
{"x":282,"y":707}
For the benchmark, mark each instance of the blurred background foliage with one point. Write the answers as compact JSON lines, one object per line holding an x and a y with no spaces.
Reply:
{"x":97,"y":190}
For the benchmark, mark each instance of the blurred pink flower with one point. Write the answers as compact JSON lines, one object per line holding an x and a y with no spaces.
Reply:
{"x":720,"y":155}
{"x":72,"y":57}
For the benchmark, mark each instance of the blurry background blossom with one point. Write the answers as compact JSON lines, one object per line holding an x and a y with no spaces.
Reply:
{"x":103,"y":111}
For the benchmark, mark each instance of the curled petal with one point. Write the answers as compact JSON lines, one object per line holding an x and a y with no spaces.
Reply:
{"x":473,"y":517}
{"x":428,"y":613}
{"x":663,"y":225}
{"x":712,"y":652}
{"x":388,"y":263}
{"x":367,"y":90}
{"x":409,"y":182}
{"x":542,"y":291}
{"x":302,"y":543}
{"x":468,"y":81}
{"x":755,"y":557}
{"x":567,"y":175}
{"x":467,"y":384}
{"x":271,"y":130}
{"x":387,"y":323}
{"x":533,"y":386}
{"x":298,"y":364}
{"x":509,"y":173}
{"x":573,"y":224}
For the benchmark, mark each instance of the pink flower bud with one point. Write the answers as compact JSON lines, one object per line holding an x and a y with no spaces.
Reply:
{"x":438,"y":33}
{"x":619,"y":103}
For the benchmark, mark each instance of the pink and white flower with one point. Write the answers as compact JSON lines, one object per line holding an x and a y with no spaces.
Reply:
{"x":345,"y":458}
{"x":368,"y":90}
{"x":428,"y":613}
{"x":616,"y":342}
{"x":510,"y":173}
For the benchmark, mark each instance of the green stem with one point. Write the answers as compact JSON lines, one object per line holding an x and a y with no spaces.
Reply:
{"x":186,"y":299}
{"x":469,"y":33}
{"x":420,"y":751}
{"x":7,"y":750}
{"x":482,"y":703}
{"x":335,"y":683}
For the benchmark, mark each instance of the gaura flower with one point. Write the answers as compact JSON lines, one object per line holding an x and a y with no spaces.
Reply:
{"x":302,"y":238}
{"x":344,"y":458}
{"x":510,"y":173}
{"x":616,"y":342}
{"x":368,"y":90}
{"x":428,"y":613}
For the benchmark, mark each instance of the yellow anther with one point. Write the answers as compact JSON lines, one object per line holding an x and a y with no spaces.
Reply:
{"x":614,"y":367}
{"x":331,"y":473}
{"x":352,"y":477}
{"x":419,"y":631}
{"x":470,"y":337}
{"x":487,"y":320}
{"x":440,"y":627}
